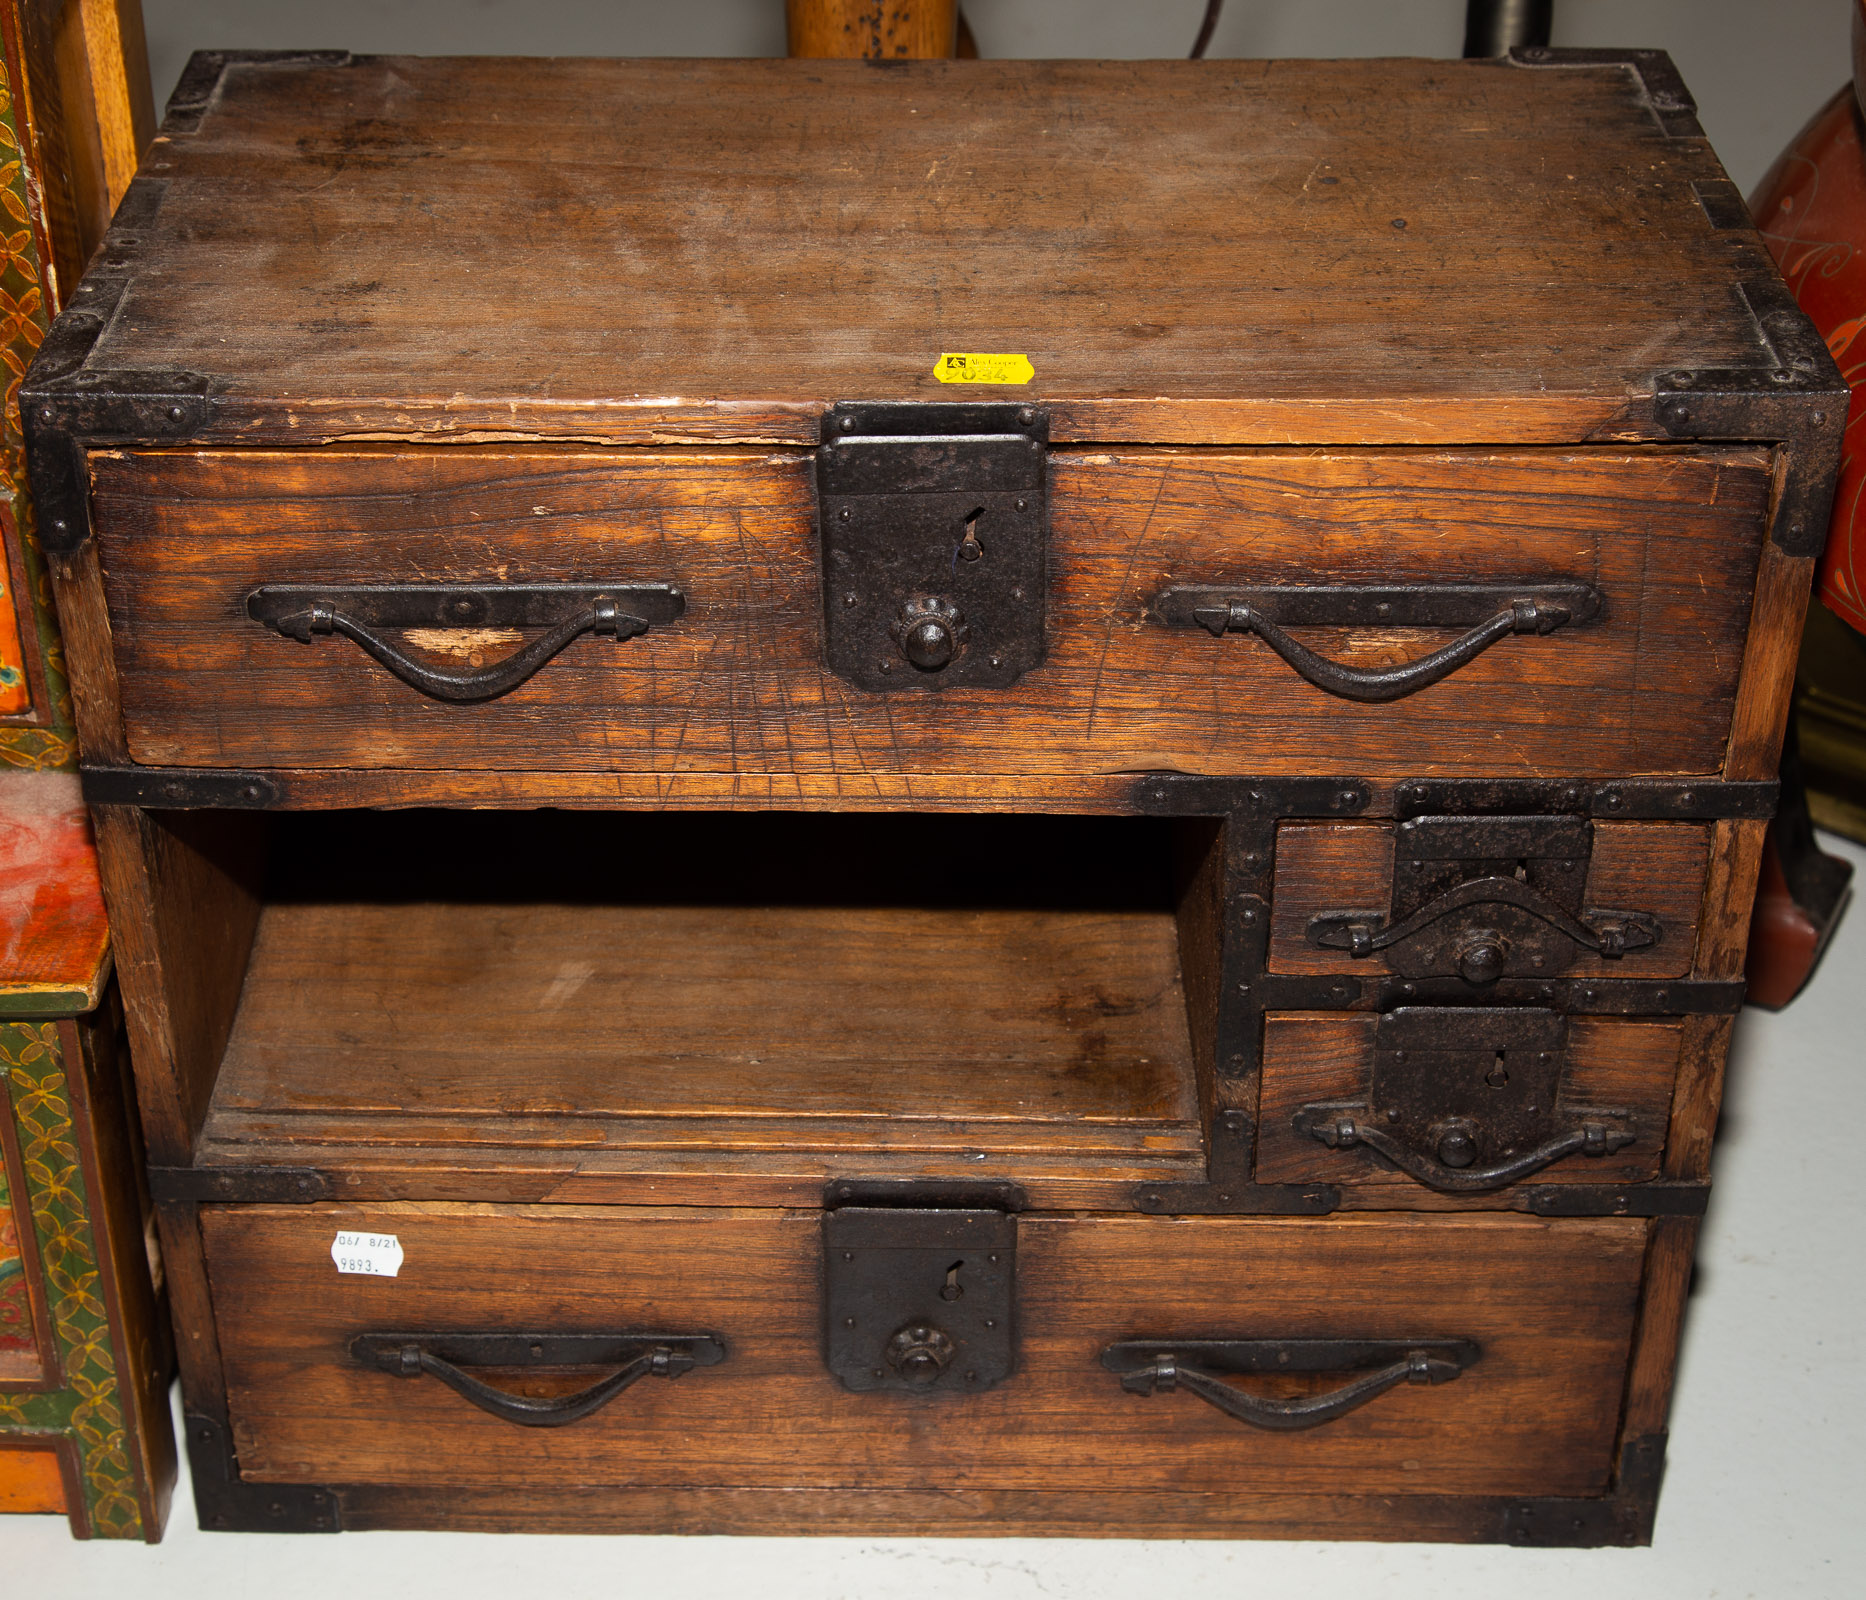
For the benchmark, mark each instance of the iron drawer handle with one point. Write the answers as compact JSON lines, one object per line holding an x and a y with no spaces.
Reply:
{"x":642,"y":1355}
{"x":305,"y":612}
{"x":1609,"y":934}
{"x":1339,"y":1129}
{"x":1201,"y":1365}
{"x":1490,"y":612}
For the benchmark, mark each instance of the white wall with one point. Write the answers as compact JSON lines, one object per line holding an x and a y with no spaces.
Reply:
{"x":1758,"y":67}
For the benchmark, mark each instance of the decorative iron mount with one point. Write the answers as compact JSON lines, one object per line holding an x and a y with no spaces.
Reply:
{"x":1482,"y":898}
{"x":1489,"y":612}
{"x":1465,"y":1099}
{"x":1200,"y":1366}
{"x":934,"y":524}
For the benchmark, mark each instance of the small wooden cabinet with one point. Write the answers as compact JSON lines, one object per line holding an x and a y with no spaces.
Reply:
{"x":966,"y":797}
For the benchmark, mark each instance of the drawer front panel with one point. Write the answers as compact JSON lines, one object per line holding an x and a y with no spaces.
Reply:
{"x":1550,"y":1305}
{"x":1319,"y":1058}
{"x":737,"y":683}
{"x":1327,"y":868}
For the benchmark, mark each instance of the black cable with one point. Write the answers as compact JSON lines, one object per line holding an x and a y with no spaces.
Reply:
{"x":1206,"y":29}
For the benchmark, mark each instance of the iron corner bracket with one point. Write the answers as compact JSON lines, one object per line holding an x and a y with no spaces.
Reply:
{"x":178,"y":788}
{"x":200,"y":80}
{"x":1624,"y":1516}
{"x":225,"y":1503}
{"x":1796,"y":400}
{"x":1659,"y":80}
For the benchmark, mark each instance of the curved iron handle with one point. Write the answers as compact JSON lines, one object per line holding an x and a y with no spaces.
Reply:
{"x":1386,"y":683}
{"x":1159,"y":1368}
{"x":1337,"y":1128}
{"x":443,"y":1356}
{"x":304,"y":612}
{"x":1360,"y":932}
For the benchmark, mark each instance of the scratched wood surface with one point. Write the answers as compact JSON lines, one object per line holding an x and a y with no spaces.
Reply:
{"x":1551,"y":1304}
{"x":1387,"y":251}
{"x":738,"y":685}
{"x":1332,"y":866}
{"x":1613,"y":1063}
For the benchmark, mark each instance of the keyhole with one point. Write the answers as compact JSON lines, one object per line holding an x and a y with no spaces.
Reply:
{"x":1499,"y":1074}
{"x":952,"y":1291}
{"x":969,"y":547}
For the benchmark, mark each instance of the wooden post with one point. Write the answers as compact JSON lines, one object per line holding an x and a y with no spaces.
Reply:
{"x":879,"y":30}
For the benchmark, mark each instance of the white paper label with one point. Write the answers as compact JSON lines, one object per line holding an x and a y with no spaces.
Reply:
{"x":377,"y":1255}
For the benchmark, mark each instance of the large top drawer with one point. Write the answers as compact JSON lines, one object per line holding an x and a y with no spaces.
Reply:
{"x":1666,"y":538}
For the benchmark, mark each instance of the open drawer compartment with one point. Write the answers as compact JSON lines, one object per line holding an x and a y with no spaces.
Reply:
{"x":574,"y":994}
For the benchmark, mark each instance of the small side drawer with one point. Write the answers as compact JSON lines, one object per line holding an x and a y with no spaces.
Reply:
{"x":1330,"y":872}
{"x":1545,"y":1309}
{"x":1616,"y":1074}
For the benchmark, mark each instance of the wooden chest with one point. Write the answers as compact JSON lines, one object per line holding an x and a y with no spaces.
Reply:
{"x":1048,"y":774}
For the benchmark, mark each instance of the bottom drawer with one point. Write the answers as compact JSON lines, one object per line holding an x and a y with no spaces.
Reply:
{"x":1548,"y":1306}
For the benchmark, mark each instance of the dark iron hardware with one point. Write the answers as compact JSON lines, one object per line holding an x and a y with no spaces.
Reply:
{"x":1622,"y":1517}
{"x":934,"y":523}
{"x":179,"y":788}
{"x":566,"y":610}
{"x":243,"y":1185}
{"x":1623,"y":799}
{"x":226,"y":1503}
{"x":1489,"y":611}
{"x":1149,"y":1367}
{"x":919,"y":1299}
{"x":1465,"y":1099}
{"x":446,"y":1355}
{"x":1482,"y":898}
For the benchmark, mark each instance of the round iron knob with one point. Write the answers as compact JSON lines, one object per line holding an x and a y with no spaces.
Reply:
{"x":1482,"y":955}
{"x":920,"y":1353}
{"x":1456,"y":1147}
{"x":930,"y":632}
{"x":928,"y":644}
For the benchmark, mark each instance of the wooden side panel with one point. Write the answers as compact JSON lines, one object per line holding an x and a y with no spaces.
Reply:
{"x":903,"y":30}
{"x":1551,"y":1304}
{"x":738,"y":684}
{"x":1334,"y":866}
{"x":183,"y":900}
{"x":1321,"y":1056}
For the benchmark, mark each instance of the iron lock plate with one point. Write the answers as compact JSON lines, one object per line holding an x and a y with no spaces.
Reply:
{"x":934,"y":520}
{"x":1467,"y":1099}
{"x":920,"y":1300}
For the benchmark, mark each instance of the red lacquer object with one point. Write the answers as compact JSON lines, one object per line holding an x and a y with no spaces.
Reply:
{"x":1811,"y":209}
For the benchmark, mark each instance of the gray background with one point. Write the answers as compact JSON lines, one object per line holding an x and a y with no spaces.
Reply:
{"x":1762,"y":1500}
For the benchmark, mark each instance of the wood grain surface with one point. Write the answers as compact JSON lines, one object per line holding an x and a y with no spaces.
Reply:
{"x":738,"y":684}
{"x":989,"y":988}
{"x":1335,"y":866}
{"x":1360,"y":251}
{"x":1612,"y":1062}
{"x":1551,"y":1304}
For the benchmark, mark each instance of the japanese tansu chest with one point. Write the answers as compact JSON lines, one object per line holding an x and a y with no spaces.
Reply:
{"x":959,"y":797}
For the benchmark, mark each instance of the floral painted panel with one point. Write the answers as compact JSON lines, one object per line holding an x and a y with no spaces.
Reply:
{"x":36,"y":1093}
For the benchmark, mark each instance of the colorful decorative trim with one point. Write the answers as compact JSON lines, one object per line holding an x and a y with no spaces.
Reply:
{"x":87,"y":1408}
{"x":24,"y":318}
{"x":15,"y":1306}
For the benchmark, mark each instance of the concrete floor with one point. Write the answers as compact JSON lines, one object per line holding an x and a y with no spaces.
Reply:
{"x":1761,"y":1501}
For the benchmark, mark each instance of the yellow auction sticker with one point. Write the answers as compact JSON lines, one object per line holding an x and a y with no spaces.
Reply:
{"x":984,"y":369}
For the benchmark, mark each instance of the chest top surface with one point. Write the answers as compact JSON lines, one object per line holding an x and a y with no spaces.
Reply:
{"x":1358,"y":251}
